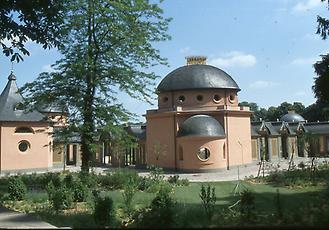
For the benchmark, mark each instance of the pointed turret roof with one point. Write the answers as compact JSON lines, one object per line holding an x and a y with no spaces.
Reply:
{"x":10,"y":101}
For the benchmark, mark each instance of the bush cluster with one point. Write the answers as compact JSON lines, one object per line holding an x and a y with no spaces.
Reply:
{"x":70,"y":190}
{"x":176,"y":181}
{"x":208,"y":197}
{"x":16,"y":188}
{"x":297,"y":177}
{"x":160,"y":213}
{"x":104,"y":211}
{"x":61,"y":198}
{"x":118,"y":179}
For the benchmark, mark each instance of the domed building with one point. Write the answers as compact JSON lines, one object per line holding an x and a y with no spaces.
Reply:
{"x":198,"y":124}
{"x":292,"y":117}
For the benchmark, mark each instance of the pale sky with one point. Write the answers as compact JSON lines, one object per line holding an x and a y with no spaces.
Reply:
{"x":267,"y":46}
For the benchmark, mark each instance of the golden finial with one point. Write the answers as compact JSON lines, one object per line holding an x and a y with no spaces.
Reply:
{"x":194,"y":60}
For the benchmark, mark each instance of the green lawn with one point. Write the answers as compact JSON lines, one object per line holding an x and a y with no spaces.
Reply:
{"x":189,"y":210}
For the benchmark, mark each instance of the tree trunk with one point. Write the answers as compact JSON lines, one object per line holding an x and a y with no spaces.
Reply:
{"x":88,"y":121}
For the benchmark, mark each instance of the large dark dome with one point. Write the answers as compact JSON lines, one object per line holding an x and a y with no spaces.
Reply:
{"x":201,"y":125}
{"x":292,"y":117}
{"x":197,"y":77}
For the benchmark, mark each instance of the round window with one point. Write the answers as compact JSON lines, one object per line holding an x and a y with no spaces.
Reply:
{"x":164,"y":99}
{"x":217,"y":98}
{"x":23,"y":146}
{"x":203,"y":154}
{"x":181,"y":99}
{"x":199,"y":97}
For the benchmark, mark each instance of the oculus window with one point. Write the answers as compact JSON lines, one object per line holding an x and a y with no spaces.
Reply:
{"x":203,"y":154}
{"x":199,"y":98}
{"x":217,"y":98}
{"x":181,"y":99}
{"x":164,"y":99}
{"x":23,"y":146}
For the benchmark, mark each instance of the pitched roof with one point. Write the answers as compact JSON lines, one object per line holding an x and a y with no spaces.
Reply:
{"x":255,"y":126}
{"x":258,"y":127}
{"x":316,"y":127}
{"x":10,"y":100}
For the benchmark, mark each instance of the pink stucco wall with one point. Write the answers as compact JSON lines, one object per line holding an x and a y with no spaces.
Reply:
{"x":39,"y":155}
{"x":238,"y":132}
{"x":160,"y":136}
{"x":190,"y":147}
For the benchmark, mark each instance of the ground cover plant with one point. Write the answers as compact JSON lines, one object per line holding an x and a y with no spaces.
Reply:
{"x":136,"y":200}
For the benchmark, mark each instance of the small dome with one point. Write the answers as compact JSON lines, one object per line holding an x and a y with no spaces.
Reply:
{"x":197,"y":77}
{"x":201,"y":125}
{"x":292,"y":117}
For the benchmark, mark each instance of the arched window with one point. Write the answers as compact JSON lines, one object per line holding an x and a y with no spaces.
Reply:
{"x":23,"y":129}
{"x":203,"y":154}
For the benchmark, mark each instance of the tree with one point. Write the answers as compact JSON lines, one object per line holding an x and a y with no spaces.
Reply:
{"x":321,"y":82}
{"x":107,"y":47}
{"x":37,"y":20}
{"x":317,"y":111}
{"x":272,"y":114}
{"x":298,"y":107}
{"x":320,"y":87}
{"x":258,"y":114}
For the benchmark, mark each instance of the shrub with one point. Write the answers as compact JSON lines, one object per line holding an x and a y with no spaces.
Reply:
{"x":156,"y":173}
{"x":104,"y":211}
{"x":4,"y":181}
{"x":208,"y":197}
{"x":16,"y":188}
{"x":173,"y":179}
{"x":88,"y":179}
{"x":127,"y":195}
{"x":69,"y":180}
{"x":61,"y":198}
{"x":143,"y":183}
{"x":156,"y":186}
{"x":41,"y":180}
{"x":50,"y":188}
{"x":53,"y":177}
{"x":159,"y":214}
{"x":80,"y":191}
{"x":180,"y":182}
{"x":184,"y":182}
{"x":119,"y":178}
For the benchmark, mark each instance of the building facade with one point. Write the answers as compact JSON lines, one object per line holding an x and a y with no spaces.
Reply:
{"x":198,"y":125}
{"x":25,"y":137}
